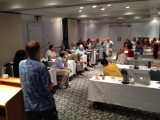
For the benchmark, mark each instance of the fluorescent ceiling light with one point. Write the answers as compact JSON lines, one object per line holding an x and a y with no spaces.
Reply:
{"x":81,"y":8}
{"x":109,"y":5}
{"x":102,"y":8}
{"x":94,"y":6}
{"x":127,"y":7}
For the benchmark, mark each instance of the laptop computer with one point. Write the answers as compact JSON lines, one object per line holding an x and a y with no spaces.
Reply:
{"x":142,"y":78}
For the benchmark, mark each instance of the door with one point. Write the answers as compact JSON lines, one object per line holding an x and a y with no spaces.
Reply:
{"x":118,"y":34}
{"x":36,"y":32}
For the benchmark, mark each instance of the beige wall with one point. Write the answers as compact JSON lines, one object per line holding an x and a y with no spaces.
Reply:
{"x":72,"y":30}
{"x":10,"y":37}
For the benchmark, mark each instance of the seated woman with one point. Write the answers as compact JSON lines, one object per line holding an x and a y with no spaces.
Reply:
{"x":110,"y":69}
{"x":122,"y":57}
{"x":130,"y":51}
{"x":138,"y":48}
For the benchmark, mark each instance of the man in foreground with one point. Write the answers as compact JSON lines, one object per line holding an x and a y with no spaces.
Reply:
{"x":36,"y":86}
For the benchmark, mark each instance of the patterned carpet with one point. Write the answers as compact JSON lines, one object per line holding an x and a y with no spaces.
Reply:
{"x":72,"y":104}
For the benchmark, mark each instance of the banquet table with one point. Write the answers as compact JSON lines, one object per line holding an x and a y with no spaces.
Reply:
{"x":93,"y":58}
{"x":84,"y":58}
{"x":53,"y":75}
{"x":140,"y":60}
{"x":130,"y":69}
{"x":112,"y":91}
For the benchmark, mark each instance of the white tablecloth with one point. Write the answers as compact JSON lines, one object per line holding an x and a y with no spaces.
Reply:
{"x":134,"y":96}
{"x":140,"y":60}
{"x":101,"y":53}
{"x":93,"y":58}
{"x":84,"y":58}
{"x":131,"y":70}
{"x":52,"y":73}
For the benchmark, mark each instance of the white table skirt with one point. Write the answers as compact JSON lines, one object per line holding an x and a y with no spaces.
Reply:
{"x":141,"y":61}
{"x":131,"y":70}
{"x":135,"y":96}
{"x":93,"y":58}
{"x":52,"y":73}
{"x":84,"y":58}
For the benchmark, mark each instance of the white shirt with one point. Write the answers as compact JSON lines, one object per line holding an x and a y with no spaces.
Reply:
{"x":50,"y":53}
{"x":122,"y":59}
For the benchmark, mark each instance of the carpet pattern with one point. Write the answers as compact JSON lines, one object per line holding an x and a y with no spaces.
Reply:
{"x":72,"y":104}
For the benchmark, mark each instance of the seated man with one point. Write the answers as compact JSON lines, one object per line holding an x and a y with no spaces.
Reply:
{"x":50,"y":54}
{"x":110,"y":69}
{"x":122,"y":57}
{"x":62,"y":70}
{"x":79,"y":62}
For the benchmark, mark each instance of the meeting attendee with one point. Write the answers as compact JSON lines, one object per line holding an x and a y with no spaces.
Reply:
{"x":81,"y":49}
{"x":62,"y":48}
{"x":62,"y":70}
{"x":122,"y":57}
{"x":19,"y":56}
{"x":138,"y":47}
{"x":133,"y":42}
{"x":130,"y":52}
{"x":50,"y":54}
{"x":108,"y":46}
{"x":36,"y":86}
{"x":79,"y":62}
{"x":110,"y":69}
{"x":153,"y":42}
{"x":155,"y":48}
{"x":146,"y":43}
{"x":73,"y":47}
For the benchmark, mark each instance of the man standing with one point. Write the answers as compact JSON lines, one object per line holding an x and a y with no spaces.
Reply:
{"x":36,"y":86}
{"x":50,"y":54}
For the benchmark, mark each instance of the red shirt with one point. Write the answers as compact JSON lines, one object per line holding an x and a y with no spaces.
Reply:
{"x":130,"y":53}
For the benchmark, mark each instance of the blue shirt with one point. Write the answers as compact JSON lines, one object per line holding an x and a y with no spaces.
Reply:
{"x":83,"y":51}
{"x":59,"y":63}
{"x":139,"y":49}
{"x":35,"y":79}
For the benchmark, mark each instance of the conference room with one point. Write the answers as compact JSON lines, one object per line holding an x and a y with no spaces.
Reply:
{"x":80,"y":60}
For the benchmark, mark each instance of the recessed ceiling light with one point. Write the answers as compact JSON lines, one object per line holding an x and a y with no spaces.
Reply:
{"x":127,"y":7}
{"x":102,"y":8}
{"x":94,"y":6}
{"x":155,"y":18}
{"x":159,"y":13}
{"x":81,"y":8}
{"x":109,"y":5}
{"x":91,"y":20}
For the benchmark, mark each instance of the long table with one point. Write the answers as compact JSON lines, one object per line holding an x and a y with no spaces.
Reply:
{"x":131,"y":60}
{"x":131,"y":70}
{"x":112,"y":91}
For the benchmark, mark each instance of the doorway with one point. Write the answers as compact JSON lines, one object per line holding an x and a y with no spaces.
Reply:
{"x":118,"y":34}
{"x":36,"y":32}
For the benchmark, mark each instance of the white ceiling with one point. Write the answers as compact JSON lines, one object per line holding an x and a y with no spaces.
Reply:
{"x":139,"y":9}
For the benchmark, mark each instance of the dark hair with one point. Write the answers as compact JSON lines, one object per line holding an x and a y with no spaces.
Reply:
{"x":138,"y":42}
{"x":20,"y":55}
{"x":32,"y":47}
{"x":129,"y":46}
{"x":51,"y":46}
{"x":62,"y":53}
{"x":104,"y":62}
